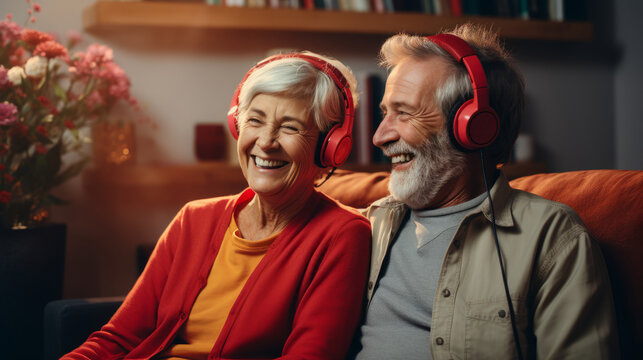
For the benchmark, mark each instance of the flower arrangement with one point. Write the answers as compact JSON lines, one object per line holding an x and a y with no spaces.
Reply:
{"x":47,"y":98}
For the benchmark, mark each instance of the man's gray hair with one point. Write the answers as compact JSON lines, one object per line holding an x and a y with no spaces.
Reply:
{"x":506,"y":83}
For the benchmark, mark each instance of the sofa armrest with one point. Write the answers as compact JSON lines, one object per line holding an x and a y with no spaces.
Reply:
{"x":68,"y":323}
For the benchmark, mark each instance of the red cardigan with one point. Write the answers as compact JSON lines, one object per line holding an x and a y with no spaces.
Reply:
{"x":303,"y":301}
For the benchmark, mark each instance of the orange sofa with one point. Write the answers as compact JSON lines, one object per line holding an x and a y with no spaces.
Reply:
{"x":610,"y":202}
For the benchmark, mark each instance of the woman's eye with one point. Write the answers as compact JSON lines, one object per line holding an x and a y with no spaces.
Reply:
{"x":290,"y":126}
{"x":254,"y":120}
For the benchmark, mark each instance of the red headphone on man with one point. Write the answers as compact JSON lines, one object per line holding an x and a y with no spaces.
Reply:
{"x":337,"y":143}
{"x":475,"y":123}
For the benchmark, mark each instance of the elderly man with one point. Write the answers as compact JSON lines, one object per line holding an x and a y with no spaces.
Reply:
{"x":459,"y":269}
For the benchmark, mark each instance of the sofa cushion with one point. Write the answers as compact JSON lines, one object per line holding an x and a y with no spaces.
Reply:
{"x":356,"y":189}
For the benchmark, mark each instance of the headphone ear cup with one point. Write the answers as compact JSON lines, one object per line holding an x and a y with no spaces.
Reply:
{"x":336,"y":146}
{"x":232,"y":124}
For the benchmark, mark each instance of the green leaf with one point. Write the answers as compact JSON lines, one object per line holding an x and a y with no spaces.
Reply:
{"x":54,"y":200}
{"x":70,"y":172}
{"x":60,"y":92}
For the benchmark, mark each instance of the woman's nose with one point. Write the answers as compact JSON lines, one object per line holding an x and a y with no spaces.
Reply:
{"x":268,"y":138}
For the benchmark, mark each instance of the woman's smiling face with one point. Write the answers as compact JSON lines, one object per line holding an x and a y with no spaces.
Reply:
{"x":276,"y":146}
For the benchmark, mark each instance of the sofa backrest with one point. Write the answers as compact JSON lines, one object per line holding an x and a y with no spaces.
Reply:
{"x":610,"y":203}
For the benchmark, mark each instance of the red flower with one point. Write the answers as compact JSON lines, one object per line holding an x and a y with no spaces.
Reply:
{"x":19,"y":130}
{"x":8,"y":177}
{"x":70,"y":124}
{"x":2,"y":167}
{"x":5,"y":196}
{"x":35,"y":37}
{"x":37,"y":7}
{"x":44,"y":101}
{"x":41,"y":149}
{"x":50,"y":49}
{"x":41,"y":130}
{"x":54,"y":111}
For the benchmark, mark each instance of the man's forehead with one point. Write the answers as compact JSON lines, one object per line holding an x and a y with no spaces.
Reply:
{"x":413,"y":79}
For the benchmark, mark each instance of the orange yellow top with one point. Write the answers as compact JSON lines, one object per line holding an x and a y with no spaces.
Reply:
{"x":235,"y":262}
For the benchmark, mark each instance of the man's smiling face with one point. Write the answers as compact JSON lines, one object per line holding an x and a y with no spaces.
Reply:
{"x":413,"y":132}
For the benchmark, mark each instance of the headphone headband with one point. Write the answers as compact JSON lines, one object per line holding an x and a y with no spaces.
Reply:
{"x":336,"y":146}
{"x":476,"y":124}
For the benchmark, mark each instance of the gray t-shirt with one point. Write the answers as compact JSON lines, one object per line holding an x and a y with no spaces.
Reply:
{"x":398,"y":321}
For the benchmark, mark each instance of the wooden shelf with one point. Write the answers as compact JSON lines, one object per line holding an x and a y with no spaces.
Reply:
{"x":115,"y":15}
{"x":223,"y":177}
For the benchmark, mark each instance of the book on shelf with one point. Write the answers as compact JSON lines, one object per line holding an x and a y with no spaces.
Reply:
{"x":368,"y":116}
{"x":554,"y":10}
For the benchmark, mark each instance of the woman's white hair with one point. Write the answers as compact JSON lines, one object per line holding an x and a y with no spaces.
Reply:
{"x":296,"y":77}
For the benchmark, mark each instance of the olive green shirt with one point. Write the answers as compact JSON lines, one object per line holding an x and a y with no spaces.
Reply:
{"x":555,"y":271}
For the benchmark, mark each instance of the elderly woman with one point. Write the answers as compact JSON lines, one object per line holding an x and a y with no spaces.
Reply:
{"x":277,"y":271}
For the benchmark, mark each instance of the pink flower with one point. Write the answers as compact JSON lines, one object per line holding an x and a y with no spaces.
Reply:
{"x":9,"y":31}
{"x":37,"y":7}
{"x":95,"y":100}
{"x":35,"y":37}
{"x":8,"y":113}
{"x":50,"y":50}
{"x":5,"y":196}
{"x":74,"y":38}
{"x":88,"y":62}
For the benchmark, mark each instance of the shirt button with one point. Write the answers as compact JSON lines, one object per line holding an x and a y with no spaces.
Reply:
{"x":502,"y":313}
{"x":370,"y":285}
{"x":439,"y":341}
{"x":446,"y":293}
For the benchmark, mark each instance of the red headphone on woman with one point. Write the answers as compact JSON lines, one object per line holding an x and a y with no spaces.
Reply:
{"x":337,"y":143}
{"x":475,"y":123}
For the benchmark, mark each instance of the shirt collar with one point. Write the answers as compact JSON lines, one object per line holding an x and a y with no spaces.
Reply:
{"x":500,"y":195}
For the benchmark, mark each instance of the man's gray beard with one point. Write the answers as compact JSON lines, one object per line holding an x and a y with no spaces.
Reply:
{"x":435,"y":163}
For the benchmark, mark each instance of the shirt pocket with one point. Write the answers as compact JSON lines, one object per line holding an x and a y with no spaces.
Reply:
{"x":488,"y":331}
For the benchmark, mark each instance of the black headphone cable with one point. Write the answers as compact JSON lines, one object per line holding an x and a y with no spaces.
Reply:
{"x":512,"y":314}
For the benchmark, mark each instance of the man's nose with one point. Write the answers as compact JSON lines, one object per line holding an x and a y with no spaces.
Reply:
{"x":386,"y":132}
